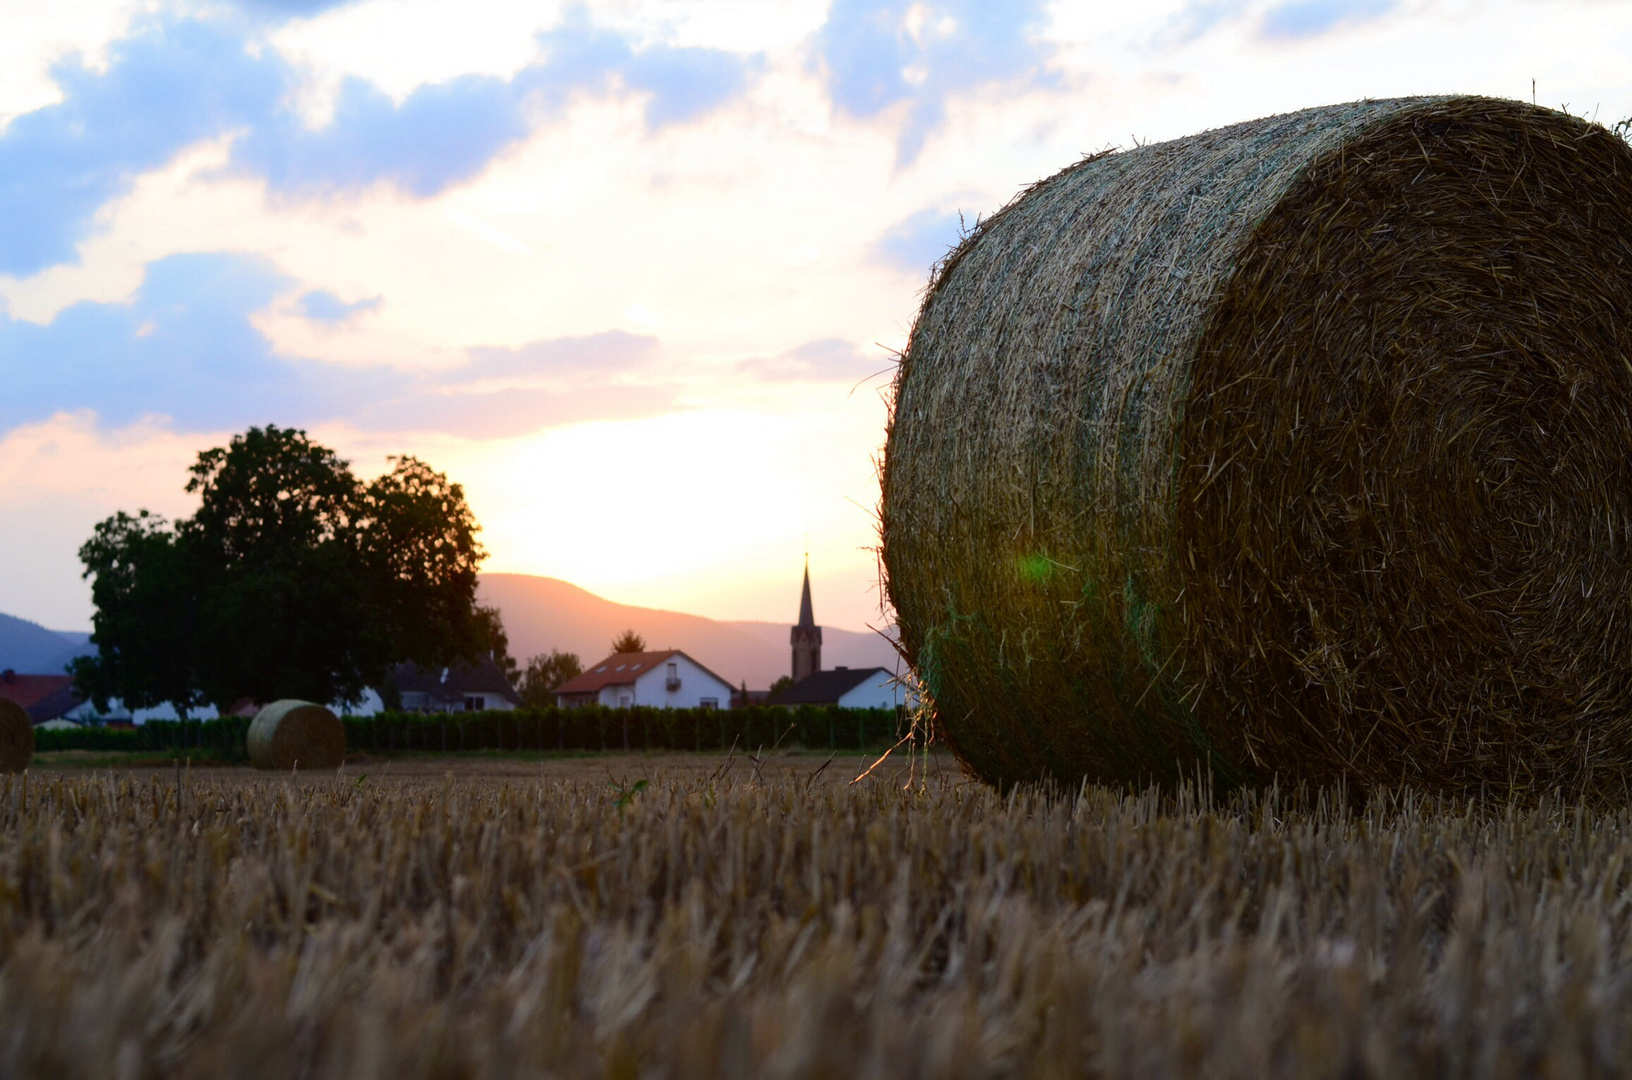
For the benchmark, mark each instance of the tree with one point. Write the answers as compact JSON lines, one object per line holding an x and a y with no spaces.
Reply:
{"x":544,"y":673}
{"x":145,"y":615}
{"x":784,"y":683}
{"x":628,"y":642}
{"x":293,"y":579}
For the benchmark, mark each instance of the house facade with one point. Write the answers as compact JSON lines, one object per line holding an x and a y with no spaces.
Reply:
{"x":665,"y":680}
{"x":463,"y":688}
{"x":848,"y":688}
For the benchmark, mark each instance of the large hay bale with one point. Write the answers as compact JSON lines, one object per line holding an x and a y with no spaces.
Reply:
{"x":16,"y":737}
{"x":289,"y":734}
{"x":1295,"y":448}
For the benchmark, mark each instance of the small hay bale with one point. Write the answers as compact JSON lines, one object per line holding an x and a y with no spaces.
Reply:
{"x":289,"y":734}
{"x":1295,"y":448}
{"x":16,"y":737}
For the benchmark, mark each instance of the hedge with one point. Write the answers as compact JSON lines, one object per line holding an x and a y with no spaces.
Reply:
{"x":580,"y":729}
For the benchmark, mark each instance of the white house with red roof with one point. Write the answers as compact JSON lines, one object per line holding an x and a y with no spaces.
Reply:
{"x":664,"y":680}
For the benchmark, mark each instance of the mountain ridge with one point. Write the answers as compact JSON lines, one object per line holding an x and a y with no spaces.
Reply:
{"x":544,"y":613}
{"x":31,"y":649}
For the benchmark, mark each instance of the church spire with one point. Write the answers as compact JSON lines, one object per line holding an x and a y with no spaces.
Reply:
{"x":806,"y":637}
{"x":807,"y":617}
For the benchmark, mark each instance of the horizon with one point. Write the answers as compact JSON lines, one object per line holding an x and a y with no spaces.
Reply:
{"x":632,"y":273}
{"x":86,"y":629}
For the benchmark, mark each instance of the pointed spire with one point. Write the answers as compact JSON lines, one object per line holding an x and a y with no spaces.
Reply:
{"x":807,"y":617}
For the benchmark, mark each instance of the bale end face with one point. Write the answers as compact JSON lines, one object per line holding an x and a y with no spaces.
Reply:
{"x":1296,"y":449}
{"x":16,"y":737}
{"x":293,"y":734}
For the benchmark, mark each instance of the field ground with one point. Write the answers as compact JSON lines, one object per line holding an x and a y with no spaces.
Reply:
{"x":529,"y":766}
{"x":505,"y":917}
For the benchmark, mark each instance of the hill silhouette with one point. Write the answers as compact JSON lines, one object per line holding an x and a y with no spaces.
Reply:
{"x":543,"y":613}
{"x":31,"y":649}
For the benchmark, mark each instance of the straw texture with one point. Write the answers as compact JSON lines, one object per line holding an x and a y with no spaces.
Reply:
{"x":1294,"y":448}
{"x":16,"y":737}
{"x":292,"y":734}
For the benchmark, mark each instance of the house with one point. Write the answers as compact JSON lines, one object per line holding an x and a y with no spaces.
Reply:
{"x":665,"y":680}
{"x":462,"y":688}
{"x":43,"y":697}
{"x":848,"y":688}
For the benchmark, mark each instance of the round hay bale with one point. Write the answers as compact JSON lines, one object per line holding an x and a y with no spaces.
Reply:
{"x":289,"y":734}
{"x":16,"y":737}
{"x":1296,"y":448}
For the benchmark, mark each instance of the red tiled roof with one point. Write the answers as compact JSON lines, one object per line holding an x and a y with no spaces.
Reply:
{"x":30,"y":690}
{"x":616,"y":670}
{"x":622,"y":669}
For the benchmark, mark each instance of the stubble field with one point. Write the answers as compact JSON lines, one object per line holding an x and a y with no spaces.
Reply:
{"x":678,"y":917}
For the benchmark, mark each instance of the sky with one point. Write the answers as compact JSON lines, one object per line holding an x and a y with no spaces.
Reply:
{"x":634,"y":273}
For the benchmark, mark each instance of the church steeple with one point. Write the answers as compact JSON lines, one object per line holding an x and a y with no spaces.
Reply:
{"x":806,"y":637}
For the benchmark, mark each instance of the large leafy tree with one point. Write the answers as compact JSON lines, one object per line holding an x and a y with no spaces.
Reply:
{"x":545,"y":672}
{"x":293,"y":579}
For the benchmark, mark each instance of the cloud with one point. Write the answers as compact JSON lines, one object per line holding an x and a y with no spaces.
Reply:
{"x":920,"y":241}
{"x":1197,"y":19}
{"x":443,"y":134}
{"x":284,"y":10}
{"x":509,"y":413}
{"x":1311,"y":18}
{"x":881,"y":53}
{"x":167,"y":86}
{"x":502,"y":392}
{"x":320,"y":305}
{"x":174,"y":83}
{"x":184,"y":347}
{"x":687,"y":83}
{"x":823,"y":360}
{"x":681,"y":84}
{"x":597,"y":354}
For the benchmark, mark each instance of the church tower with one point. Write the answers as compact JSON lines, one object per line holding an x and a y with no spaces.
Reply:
{"x":806,"y":638}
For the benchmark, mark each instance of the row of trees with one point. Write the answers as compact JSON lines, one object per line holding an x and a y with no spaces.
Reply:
{"x":295,"y":579}
{"x":292,"y":579}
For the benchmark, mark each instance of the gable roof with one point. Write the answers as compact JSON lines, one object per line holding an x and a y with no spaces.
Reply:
{"x":622,"y":669}
{"x":43,"y":697}
{"x":825,"y":687}
{"x":453,"y":683}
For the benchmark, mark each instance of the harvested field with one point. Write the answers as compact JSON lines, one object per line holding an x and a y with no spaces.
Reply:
{"x":769,"y":923}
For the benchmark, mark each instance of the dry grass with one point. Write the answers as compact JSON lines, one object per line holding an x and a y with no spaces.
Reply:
{"x":1294,"y":448}
{"x":765,"y":924}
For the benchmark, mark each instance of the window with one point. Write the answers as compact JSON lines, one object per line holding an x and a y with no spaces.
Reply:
{"x":672,"y":683}
{"x":625,"y":700}
{"x":709,"y":703}
{"x":475,"y":704}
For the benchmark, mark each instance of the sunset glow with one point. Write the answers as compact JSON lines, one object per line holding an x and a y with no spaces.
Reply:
{"x":634,"y":272}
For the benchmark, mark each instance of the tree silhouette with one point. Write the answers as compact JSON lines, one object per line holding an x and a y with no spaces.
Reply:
{"x":545,"y":672}
{"x":627,"y":642}
{"x":293,"y":579}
